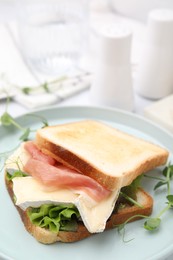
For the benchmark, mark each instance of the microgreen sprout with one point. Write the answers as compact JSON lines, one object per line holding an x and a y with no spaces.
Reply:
{"x":153,"y":223}
{"x":47,"y":86}
{"x":131,"y":199}
{"x":43,"y":119}
{"x":121,"y":227}
{"x":7,"y":120}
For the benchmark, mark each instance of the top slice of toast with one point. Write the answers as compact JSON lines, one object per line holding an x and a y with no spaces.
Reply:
{"x":108,"y":155}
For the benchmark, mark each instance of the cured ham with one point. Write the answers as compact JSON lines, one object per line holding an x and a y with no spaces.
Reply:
{"x":45,"y":169}
{"x":63,"y":177}
{"x":33,"y":150}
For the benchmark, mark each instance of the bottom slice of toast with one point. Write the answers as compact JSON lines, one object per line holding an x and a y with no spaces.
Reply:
{"x":119,"y":217}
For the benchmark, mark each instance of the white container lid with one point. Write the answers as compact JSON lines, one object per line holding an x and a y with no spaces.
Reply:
{"x":115,"y":44}
{"x":160,"y":27}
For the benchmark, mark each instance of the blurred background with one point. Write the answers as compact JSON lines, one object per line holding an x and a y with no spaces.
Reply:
{"x":63,"y":47}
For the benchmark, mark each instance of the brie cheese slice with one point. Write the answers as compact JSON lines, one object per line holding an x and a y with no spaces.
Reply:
{"x":30,"y":193}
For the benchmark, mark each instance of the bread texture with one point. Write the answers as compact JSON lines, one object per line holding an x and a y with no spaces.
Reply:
{"x":111,"y":157}
{"x":47,"y":237}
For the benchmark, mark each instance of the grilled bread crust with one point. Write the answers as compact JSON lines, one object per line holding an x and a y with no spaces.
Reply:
{"x":111,"y":157}
{"x":47,"y":237}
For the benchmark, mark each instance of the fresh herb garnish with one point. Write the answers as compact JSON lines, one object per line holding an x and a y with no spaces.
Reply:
{"x":7,"y":120}
{"x":121,"y":227}
{"x":153,"y":223}
{"x":168,"y":173}
{"x":127,"y":195}
{"x":13,"y":173}
{"x":47,"y":86}
{"x":43,"y":119}
{"x":131,"y":200}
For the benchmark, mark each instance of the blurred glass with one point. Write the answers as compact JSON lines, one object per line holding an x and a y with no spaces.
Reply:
{"x":53,"y":34}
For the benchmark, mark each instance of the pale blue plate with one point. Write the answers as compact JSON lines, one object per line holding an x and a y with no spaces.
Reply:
{"x":17,"y":244}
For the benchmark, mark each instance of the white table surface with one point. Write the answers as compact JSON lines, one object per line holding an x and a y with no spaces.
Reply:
{"x":13,"y":64}
{"x":80,"y":99}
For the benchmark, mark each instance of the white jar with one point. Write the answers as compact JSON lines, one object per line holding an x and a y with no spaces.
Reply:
{"x":139,"y":9}
{"x":112,"y":84}
{"x":155,"y":74}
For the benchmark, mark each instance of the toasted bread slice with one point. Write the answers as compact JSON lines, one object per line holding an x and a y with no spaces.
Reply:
{"x":109,"y":156}
{"x":47,"y":237}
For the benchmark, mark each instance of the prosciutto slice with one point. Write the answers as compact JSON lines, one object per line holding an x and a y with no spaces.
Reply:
{"x":33,"y":150}
{"x":45,"y":170}
{"x":63,"y":177}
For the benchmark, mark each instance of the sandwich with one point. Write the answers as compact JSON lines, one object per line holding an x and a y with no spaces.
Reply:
{"x":75,"y":180}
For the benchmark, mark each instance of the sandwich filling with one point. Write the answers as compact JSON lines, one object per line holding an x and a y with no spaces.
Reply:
{"x":55,"y":175}
{"x":93,"y":202}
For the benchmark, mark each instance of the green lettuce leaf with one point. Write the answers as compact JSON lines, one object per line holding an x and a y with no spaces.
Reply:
{"x":55,"y":217}
{"x":128,"y":194}
{"x":131,"y":189}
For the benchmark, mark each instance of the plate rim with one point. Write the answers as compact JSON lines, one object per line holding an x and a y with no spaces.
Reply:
{"x":133,"y":114}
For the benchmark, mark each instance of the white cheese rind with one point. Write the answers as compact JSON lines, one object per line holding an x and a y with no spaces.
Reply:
{"x":30,"y":193}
